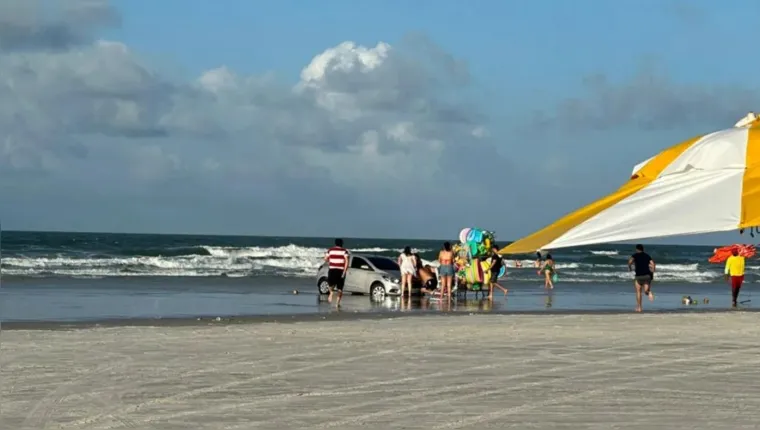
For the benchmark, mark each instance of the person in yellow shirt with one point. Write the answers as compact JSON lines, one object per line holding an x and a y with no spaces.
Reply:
{"x":735,"y":273}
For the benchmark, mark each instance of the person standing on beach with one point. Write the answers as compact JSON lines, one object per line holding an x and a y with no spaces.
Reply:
{"x":496,"y":264}
{"x":548,"y":270}
{"x":446,"y":269}
{"x":408,"y":265}
{"x":644,"y":267}
{"x":539,"y":260}
{"x":337,"y":261}
{"x":735,"y":273}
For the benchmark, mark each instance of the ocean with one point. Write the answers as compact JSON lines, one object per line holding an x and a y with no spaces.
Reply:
{"x":57,"y":276}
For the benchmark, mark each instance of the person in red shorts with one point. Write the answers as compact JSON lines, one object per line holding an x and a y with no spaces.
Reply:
{"x":735,"y":273}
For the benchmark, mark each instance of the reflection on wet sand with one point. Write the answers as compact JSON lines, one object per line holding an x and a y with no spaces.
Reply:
{"x":413,"y":304}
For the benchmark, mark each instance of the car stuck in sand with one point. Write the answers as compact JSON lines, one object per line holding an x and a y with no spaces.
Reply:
{"x":374,"y":275}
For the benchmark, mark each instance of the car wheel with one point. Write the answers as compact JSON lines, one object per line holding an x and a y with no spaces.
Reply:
{"x":377,"y":292}
{"x":322,"y":286}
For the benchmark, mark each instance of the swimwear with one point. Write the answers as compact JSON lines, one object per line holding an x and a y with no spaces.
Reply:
{"x":494,"y":275}
{"x":548,"y":268}
{"x":335,"y":279}
{"x":643,"y":279}
{"x":446,"y":270}
{"x":447,"y":267}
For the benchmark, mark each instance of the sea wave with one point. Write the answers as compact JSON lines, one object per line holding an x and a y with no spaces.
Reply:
{"x":292,"y":260}
{"x":288,"y":260}
{"x":605,"y":252}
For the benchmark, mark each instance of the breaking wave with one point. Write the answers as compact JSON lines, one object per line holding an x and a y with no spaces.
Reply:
{"x":288,"y":260}
{"x":301,"y":261}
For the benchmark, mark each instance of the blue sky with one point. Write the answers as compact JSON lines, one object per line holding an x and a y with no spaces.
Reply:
{"x":524,"y":59}
{"x":509,"y":45}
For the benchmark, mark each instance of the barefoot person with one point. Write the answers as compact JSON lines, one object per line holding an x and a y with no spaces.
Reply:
{"x":643,"y":266}
{"x":337,"y":261}
{"x":735,"y":273}
{"x":496,"y":264}
{"x":548,"y":270}
{"x":406,"y":262}
{"x":446,"y":269}
{"x":539,"y":260}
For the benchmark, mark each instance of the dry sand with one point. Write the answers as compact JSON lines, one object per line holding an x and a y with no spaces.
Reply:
{"x":438,"y":372}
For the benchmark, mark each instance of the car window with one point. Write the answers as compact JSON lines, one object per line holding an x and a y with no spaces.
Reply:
{"x":385,"y":264}
{"x":358,"y":262}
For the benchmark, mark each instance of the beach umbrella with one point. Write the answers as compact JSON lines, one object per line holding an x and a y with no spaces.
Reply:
{"x":709,"y":183}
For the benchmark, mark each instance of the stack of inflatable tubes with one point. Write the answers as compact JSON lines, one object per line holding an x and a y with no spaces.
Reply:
{"x":472,"y":256}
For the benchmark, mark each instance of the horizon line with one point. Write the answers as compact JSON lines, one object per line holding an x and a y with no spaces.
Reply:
{"x":321,"y":237}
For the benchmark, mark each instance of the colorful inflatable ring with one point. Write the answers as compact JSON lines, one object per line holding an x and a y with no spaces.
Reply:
{"x":478,"y":236}
{"x":471,"y":235}
{"x":463,"y":235}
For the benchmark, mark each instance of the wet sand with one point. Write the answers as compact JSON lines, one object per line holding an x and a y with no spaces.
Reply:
{"x":75,"y":300}
{"x":433,"y":372}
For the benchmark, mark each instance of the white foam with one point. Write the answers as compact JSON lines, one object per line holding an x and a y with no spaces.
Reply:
{"x":300,"y":261}
{"x":605,"y":252}
{"x":288,"y":260}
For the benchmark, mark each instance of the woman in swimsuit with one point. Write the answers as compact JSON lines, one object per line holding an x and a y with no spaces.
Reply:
{"x":548,"y":271}
{"x":446,"y":269}
{"x":408,"y":266}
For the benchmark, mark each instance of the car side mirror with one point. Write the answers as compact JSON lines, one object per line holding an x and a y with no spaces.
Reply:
{"x":365,"y":267}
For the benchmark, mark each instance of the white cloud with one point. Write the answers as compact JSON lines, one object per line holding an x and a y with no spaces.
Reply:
{"x":360,"y":119}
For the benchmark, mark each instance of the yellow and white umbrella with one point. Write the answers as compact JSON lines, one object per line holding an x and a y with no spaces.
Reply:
{"x":706,"y":184}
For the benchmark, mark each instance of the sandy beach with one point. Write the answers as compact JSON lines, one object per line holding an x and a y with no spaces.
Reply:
{"x":427,"y":372}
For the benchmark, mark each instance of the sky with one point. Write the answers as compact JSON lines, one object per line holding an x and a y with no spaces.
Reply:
{"x":352,"y":118}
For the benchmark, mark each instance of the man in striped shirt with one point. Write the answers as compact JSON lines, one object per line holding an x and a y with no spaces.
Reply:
{"x":337,"y":263}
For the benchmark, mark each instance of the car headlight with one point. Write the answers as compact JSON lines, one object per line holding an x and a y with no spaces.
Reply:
{"x":392,"y":280}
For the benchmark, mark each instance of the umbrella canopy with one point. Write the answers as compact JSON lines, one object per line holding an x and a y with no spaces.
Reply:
{"x":706,"y":184}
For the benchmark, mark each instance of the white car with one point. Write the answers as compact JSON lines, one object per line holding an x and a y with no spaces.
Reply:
{"x":375,"y":275}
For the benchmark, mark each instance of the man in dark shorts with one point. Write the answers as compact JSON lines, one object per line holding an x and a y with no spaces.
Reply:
{"x":644,"y":268}
{"x":337,"y":261}
{"x":496,"y":264}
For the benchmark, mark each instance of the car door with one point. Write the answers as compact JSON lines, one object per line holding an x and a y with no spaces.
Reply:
{"x":356,"y":278}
